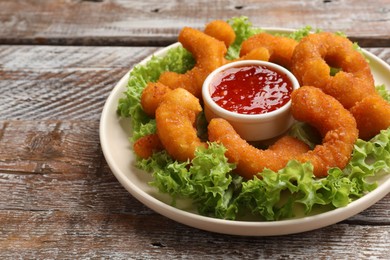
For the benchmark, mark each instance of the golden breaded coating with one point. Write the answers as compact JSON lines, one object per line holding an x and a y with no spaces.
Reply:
{"x":250,"y":160}
{"x":152,"y":96}
{"x":222,"y":31}
{"x":174,"y":102}
{"x":311,"y":63}
{"x":145,"y":146}
{"x":175,"y":119}
{"x":256,"y":54}
{"x":336,"y":125}
{"x":372,"y":115}
{"x":280,"y":48}
{"x":209,"y":54}
{"x":191,"y":81}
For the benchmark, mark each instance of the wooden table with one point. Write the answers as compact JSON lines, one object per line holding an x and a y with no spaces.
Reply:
{"x":59,"y":60}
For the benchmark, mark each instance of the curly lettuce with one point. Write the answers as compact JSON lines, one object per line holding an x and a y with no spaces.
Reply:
{"x":209,"y":180}
{"x":382,"y":90}
{"x":177,"y":60}
{"x":216,"y":191}
{"x":243,"y":29}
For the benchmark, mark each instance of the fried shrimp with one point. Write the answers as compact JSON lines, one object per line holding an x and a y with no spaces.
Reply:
{"x":176,"y":119}
{"x":145,"y":146}
{"x":310,"y":65}
{"x":250,"y":160}
{"x":256,"y":54}
{"x":353,"y":86}
{"x":152,"y":96}
{"x":280,"y":48}
{"x":221,"y":30}
{"x":209,"y":54}
{"x":372,"y":114}
{"x":336,"y":125}
{"x":209,"y":49}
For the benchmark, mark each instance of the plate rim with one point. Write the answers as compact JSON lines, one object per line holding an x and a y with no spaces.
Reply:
{"x":230,"y":227}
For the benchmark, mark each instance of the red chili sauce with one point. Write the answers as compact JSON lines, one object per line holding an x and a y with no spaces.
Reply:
{"x":251,"y":89}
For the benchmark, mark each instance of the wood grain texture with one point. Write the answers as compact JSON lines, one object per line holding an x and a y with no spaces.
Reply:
{"x":58,"y":166}
{"x":52,"y":82}
{"x":58,"y":197}
{"x":49,"y":147}
{"x":68,"y":82}
{"x":65,"y":234}
{"x":120,"y":22}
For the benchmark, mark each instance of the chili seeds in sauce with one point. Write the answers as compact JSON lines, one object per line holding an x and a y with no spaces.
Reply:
{"x":252,"y":89}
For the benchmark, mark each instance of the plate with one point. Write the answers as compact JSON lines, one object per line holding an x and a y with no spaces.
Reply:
{"x":114,"y":138}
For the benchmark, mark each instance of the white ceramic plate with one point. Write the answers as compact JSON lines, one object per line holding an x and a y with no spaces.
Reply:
{"x":114,"y":138}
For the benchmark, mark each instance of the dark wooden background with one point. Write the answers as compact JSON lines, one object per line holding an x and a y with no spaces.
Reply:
{"x":59,"y":60}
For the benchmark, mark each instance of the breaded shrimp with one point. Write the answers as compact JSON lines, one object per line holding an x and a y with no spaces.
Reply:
{"x":311,"y":63}
{"x":372,"y":114}
{"x":145,"y":146}
{"x":336,"y":125}
{"x":175,"y":119}
{"x":280,"y":48}
{"x":209,"y":54}
{"x":250,"y":160}
{"x":222,"y":31}
{"x":353,"y":86}
{"x":311,"y":105}
{"x":152,"y":96}
{"x":191,"y":81}
{"x":256,"y":54}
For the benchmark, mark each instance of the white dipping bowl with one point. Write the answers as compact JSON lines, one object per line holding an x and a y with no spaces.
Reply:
{"x":251,"y":127}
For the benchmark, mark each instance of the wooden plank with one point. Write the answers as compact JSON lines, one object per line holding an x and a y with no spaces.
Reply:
{"x":69,"y":192}
{"x":53,"y":165}
{"x":66,"y":234}
{"x":58,"y":165}
{"x":51,"y":82}
{"x":62,"y":82}
{"x":120,"y":22}
{"x":50,"y":147}
{"x":382,"y":53}
{"x":378,"y":214}
{"x":59,"y":199}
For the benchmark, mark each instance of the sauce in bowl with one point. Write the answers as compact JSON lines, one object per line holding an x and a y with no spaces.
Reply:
{"x":253,"y":96}
{"x":251,"y":89}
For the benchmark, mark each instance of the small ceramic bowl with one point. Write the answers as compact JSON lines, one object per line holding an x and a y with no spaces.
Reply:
{"x":251,"y":127}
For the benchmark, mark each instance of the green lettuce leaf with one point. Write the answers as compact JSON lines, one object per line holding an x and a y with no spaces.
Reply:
{"x":209,"y":180}
{"x":243,"y":29}
{"x":177,"y":60}
{"x":216,"y":191}
{"x":300,"y":33}
{"x":382,"y":90}
{"x":305,"y":133}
